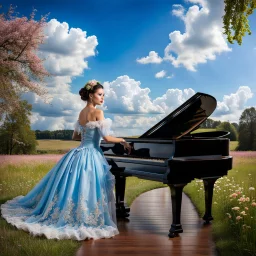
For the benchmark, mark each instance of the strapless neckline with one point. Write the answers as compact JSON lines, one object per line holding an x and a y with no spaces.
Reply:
{"x":91,"y":123}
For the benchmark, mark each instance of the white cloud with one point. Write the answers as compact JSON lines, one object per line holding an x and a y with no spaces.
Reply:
{"x":203,"y":38}
{"x":232,"y":106}
{"x":65,"y":50}
{"x":160,"y":74}
{"x":151,"y":58}
{"x":171,"y":76}
{"x":124,"y":95}
{"x":178,"y":10}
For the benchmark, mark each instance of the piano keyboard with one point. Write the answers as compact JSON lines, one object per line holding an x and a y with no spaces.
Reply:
{"x":137,"y":160}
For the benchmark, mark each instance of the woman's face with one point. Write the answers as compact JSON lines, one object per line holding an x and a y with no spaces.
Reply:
{"x":98,"y":97}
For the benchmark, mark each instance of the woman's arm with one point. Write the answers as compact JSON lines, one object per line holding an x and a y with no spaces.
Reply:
{"x":112,"y":139}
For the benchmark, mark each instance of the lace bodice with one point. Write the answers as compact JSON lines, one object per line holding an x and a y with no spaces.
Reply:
{"x":93,"y":131}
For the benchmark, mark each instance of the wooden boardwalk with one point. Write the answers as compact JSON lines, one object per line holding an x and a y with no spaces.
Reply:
{"x":146,"y":231}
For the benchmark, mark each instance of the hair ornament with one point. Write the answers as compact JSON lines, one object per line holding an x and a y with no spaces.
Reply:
{"x":90,"y":84}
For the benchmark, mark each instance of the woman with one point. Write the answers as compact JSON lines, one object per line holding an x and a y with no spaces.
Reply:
{"x":75,"y":199}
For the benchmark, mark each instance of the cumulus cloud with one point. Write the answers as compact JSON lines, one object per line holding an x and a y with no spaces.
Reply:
{"x":231,"y":107}
{"x":202,"y":40}
{"x":65,"y":51}
{"x":151,"y":58}
{"x":160,"y":74}
{"x":124,"y":95}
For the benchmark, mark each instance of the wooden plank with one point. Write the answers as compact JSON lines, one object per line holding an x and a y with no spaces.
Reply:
{"x":146,"y":231}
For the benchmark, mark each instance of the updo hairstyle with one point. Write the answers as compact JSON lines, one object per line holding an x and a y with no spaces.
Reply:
{"x":87,"y":89}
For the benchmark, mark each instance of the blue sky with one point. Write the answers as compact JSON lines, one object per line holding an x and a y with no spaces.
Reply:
{"x":188,"y":53}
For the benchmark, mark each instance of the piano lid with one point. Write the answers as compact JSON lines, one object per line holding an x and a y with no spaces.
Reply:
{"x":184,"y":119}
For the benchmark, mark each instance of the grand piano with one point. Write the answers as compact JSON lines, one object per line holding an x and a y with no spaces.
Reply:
{"x":170,"y":153}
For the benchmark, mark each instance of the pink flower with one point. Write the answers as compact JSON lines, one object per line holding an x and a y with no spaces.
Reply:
{"x":92,"y":82}
{"x":254,"y":204}
{"x":236,"y":208}
{"x":238,"y":218}
{"x":241,"y":199}
{"x":234,"y":195}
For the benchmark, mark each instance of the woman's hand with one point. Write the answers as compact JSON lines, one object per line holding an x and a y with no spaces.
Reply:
{"x":127,"y":146}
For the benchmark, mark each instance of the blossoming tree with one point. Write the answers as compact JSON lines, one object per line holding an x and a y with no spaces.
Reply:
{"x":21,"y":69}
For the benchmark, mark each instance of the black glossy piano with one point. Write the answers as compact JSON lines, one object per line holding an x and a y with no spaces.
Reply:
{"x":170,"y":153}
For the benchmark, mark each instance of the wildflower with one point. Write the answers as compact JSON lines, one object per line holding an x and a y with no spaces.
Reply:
{"x":247,"y":199}
{"x":243,"y":213}
{"x":236,"y":208}
{"x":229,"y":215}
{"x":241,"y":199}
{"x":251,"y":188}
{"x":238,"y":218}
{"x":253,"y":204}
{"x":246,"y":208}
{"x":234,"y":195}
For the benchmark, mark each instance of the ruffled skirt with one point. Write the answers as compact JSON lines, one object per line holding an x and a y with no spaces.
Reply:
{"x":75,"y":200}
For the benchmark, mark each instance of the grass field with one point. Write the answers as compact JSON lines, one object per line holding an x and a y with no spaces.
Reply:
{"x":18,"y":179}
{"x":234,"y":206}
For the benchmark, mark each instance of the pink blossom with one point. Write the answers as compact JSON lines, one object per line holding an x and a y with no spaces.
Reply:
{"x":238,"y":218}
{"x":253,"y":204}
{"x":236,"y":208}
{"x":234,"y":195}
{"x":19,"y":62}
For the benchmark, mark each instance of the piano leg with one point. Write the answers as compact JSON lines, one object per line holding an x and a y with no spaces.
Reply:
{"x":176,"y":195}
{"x":208,"y":188}
{"x":121,"y":209}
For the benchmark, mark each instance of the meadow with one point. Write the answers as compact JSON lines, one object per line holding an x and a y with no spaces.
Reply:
{"x":234,"y":206}
{"x":17,"y":179}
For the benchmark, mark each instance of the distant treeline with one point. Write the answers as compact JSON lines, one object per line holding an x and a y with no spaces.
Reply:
{"x":67,"y":134}
{"x":54,"y":135}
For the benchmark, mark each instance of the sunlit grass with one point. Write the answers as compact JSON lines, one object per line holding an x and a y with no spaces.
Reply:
{"x":19,"y":180}
{"x":234,"y":229}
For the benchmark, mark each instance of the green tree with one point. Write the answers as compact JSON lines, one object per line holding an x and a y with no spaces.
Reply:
{"x":247,"y":130}
{"x":226,"y":126}
{"x":235,"y":19}
{"x":16,"y":137}
{"x":236,"y":125}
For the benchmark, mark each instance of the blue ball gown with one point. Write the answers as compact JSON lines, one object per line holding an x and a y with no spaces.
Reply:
{"x":75,"y":199}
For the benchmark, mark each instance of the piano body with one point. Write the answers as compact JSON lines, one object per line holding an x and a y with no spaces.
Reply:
{"x":170,"y":153}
